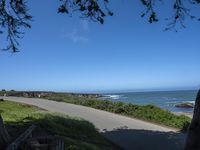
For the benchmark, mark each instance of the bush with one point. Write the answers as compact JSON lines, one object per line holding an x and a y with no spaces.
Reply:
{"x":149,"y":112}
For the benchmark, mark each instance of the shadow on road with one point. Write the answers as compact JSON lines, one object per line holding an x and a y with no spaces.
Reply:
{"x":131,"y":139}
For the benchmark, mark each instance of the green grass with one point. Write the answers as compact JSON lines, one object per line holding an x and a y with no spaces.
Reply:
{"x":149,"y":112}
{"x":77,"y":133}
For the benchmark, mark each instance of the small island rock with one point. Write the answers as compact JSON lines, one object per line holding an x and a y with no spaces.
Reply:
{"x":185,"y":105}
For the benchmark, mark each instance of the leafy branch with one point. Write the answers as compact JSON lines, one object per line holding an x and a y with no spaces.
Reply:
{"x":14,"y":17}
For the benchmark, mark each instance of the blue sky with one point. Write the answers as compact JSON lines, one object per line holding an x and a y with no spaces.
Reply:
{"x":62,"y":53}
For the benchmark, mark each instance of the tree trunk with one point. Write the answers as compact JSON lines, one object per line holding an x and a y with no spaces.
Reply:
{"x":193,"y":135}
{"x":4,"y":137}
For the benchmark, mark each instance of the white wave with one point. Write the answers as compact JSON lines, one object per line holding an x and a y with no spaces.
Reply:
{"x":170,"y":98}
{"x":179,"y":102}
{"x":113,"y":96}
{"x":174,"y":102}
{"x":190,"y":102}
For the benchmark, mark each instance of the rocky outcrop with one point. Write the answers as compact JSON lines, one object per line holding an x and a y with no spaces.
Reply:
{"x":185,"y":105}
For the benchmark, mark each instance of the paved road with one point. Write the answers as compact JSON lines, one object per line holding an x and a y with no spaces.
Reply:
{"x":129,"y":133}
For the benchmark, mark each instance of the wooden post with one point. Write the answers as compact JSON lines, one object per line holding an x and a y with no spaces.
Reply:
{"x":193,"y":135}
{"x":4,"y":137}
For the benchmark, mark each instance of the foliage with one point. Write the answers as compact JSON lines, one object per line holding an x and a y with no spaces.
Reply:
{"x":14,"y":15}
{"x":180,"y":10}
{"x":95,"y":10}
{"x":149,"y":112}
{"x":77,"y":133}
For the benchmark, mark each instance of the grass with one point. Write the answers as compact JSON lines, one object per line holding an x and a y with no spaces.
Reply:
{"x":149,"y":112}
{"x":77,"y":133}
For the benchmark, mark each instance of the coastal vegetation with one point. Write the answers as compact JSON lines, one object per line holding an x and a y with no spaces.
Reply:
{"x":149,"y":113}
{"x":77,"y":133}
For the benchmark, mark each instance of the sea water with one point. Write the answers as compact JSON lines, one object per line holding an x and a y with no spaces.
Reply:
{"x":163,"y":99}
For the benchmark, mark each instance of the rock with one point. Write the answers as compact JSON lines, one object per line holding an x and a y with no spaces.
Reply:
{"x":185,"y":105}
{"x":1,"y":100}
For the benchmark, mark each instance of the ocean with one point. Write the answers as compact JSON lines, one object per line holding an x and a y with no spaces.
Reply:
{"x":163,"y":99}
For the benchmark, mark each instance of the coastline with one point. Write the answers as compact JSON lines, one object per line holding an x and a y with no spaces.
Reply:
{"x":166,"y":100}
{"x":188,"y":114}
{"x":124,"y":131}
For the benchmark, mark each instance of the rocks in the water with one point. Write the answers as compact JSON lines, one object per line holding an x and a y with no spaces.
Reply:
{"x":185,"y":105}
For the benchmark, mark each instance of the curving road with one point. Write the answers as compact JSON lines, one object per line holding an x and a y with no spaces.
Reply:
{"x":129,"y":133}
